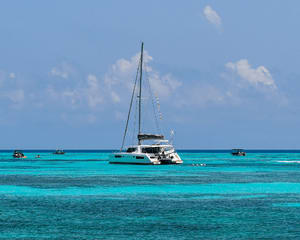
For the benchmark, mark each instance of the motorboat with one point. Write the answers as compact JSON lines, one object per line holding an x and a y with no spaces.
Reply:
{"x":159,"y":151}
{"x":18,"y":154}
{"x":58,"y":151}
{"x":238,"y":152}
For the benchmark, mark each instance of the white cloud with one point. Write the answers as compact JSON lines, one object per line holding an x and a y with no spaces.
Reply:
{"x":115,"y":97}
{"x":121,"y":76}
{"x":16,"y":96}
{"x":212,"y":16}
{"x":12,"y":75}
{"x":11,"y":88}
{"x":57,"y":72}
{"x":83,"y":92}
{"x":255,"y":77}
{"x":249,"y":83}
{"x":99,"y":92}
{"x":71,"y":95}
{"x":123,"y":71}
{"x":64,"y":70}
{"x":114,"y":87}
{"x":163,"y":85}
{"x":93,"y":91}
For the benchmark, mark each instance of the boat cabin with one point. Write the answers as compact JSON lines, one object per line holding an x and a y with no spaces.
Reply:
{"x":151,"y":149}
{"x":144,"y":149}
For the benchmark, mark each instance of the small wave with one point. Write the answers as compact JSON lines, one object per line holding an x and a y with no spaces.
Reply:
{"x":289,"y":161}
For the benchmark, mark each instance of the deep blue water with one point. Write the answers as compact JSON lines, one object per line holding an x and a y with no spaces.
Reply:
{"x":213,"y":195}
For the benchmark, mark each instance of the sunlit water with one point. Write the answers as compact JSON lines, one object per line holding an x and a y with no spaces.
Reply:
{"x":213,"y":195}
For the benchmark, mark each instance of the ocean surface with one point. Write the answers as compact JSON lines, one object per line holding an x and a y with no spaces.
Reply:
{"x":212,"y":195}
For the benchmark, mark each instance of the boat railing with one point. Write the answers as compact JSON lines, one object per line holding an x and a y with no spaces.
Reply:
{"x":160,"y":142}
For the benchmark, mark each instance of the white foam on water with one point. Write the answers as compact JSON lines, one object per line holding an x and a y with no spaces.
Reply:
{"x":289,"y":161}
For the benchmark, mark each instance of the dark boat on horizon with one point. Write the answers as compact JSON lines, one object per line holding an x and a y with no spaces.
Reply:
{"x":18,"y":154}
{"x":238,"y":152}
{"x":60,"y":152}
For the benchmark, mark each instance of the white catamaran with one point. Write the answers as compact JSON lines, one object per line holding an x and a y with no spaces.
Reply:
{"x":159,"y":152}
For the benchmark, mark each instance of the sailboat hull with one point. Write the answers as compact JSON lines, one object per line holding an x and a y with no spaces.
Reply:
{"x":129,"y":158}
{"x":142,"y":159}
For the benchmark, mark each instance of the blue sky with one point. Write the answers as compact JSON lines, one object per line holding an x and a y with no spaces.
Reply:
{"x":226,"y":72}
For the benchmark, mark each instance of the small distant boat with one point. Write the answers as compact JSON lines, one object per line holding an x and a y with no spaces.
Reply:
{"x":18,"y":154}
{"x":238,"y":152}
{"x":58,"y":151}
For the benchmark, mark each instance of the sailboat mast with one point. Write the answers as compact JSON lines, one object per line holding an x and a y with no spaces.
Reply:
{"x":140,"y":91}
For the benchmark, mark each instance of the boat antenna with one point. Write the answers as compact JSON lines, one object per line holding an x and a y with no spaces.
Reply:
{"x":140,"y":91}
{"x":172,"y":133}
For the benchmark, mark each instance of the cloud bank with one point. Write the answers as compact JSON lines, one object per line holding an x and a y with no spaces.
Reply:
{"x":122,"y":73}
{"x":90,"y":94}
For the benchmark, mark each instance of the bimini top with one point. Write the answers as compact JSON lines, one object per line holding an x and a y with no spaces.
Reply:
{"x":145,"y":136}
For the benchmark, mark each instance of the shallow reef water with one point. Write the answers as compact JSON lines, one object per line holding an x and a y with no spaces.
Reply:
{"x":212,"y":195}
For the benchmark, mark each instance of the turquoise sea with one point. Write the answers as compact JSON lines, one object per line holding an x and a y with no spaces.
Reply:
{"x":213,"y":195}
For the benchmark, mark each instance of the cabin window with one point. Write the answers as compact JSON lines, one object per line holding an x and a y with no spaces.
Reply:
{"x":130,"y":150}
{"x":151,"y":150}
{"x":168,"y":148}
{"x":118,"y":156}
{"x":138,"y":157}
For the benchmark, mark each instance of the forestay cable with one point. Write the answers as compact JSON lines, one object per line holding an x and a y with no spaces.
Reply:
{"x":132,"y":96}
